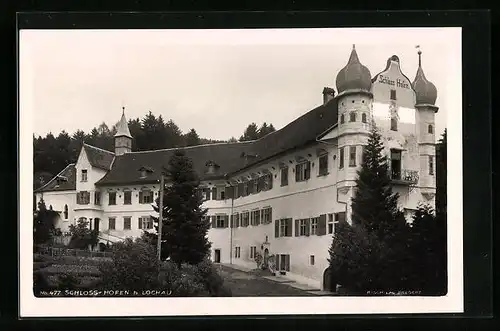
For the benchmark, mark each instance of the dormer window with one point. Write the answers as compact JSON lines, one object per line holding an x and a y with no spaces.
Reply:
{"x":145,"y":171}
{"x":211,"y":167}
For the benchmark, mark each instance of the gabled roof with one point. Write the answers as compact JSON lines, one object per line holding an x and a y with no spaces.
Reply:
{"x":229,"y":156}
{"x":66,"y":182}
{"x":98,"y":157}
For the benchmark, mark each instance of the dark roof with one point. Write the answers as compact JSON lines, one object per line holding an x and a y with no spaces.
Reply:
{"x":230,"y":157}
{"x":98,"y":157}
{"x":126,"y":167}
{"x":63,"y":181}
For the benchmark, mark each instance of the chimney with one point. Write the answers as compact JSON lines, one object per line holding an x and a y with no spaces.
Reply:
{"x":328,"y":94}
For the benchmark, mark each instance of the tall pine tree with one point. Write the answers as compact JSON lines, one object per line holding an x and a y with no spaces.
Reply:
{"x":184,"y":226}
{"x":369,"y":254}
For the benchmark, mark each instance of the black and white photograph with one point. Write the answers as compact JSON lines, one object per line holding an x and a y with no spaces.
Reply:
{"x":240,"y":172}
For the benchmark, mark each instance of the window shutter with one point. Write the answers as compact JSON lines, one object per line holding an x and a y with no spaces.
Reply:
{"x":308,"y":227}
{"x":270,"y":181}
{"x":276,"y":228}
{"x":270,"y":215}
{"x":214,"y":221}
{"x":287,"y":262}
{"x":214,"y":193}
{"x":297,"y":173}
{"x":289,"y":227}
{"x":226,"y":221}
{"x":141,"y":197}
{"x":140,"y":223}
{"x":297,"y":233}
{"x":308,"y":170}
{"x":321,"y":230}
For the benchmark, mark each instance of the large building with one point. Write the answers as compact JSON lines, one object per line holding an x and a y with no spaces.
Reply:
{"x":291,"y":187}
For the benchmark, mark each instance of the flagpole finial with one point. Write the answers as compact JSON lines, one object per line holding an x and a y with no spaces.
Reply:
{"x":353,"y":46}
{"x":123,"y":110}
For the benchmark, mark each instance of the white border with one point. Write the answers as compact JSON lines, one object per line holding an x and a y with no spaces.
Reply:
{"x":30,"y":306}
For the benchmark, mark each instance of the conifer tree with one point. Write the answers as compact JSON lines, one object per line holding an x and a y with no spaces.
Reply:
{"x":369,"y":254}
{"x":184,"y":226}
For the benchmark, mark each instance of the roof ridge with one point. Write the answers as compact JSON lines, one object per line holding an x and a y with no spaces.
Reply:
{"x":52,"y":179}
{"x":99,"y":149}
{"x":191,"y":147}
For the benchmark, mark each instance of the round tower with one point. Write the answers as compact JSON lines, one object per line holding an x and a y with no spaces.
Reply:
{"x":123,"y":139}
{"x":426,"y":95}
{"x":354,"y":101}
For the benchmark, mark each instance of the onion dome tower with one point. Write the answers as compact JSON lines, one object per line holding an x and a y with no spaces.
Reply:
{"x":426,"y":95}
{"x":425,"y":91}
{"x":123,"y":139}
{"x":354,"y":100}
{"x":354,"y":76}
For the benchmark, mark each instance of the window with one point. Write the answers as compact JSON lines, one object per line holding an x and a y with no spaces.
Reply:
{"x":145,"y":196}
{"x":245,"y":218}
{"x":83,"y":198}
{"x":221,"y":221}
{"x":253,"y":250}
{"x":255,"y":217}
{"x":143,"y":173}
{"x":431,"y":165}
{"x":430,"y":129}
{"x":342,"y":119}
{"x":314,"y":226}
{"x":363,"y":117}
{"x":394,"y":123}
{"x":237,"y":252}
{"x":352,"y":117}
{"x":245,"y":189}
{"x":266,"y":215}
{"x":206,"y":193}
{"x":222,"y":195}
{"x":66,"y":212}
{"x":284,"y":176}
{"x":84,"y":175}
{"x":236,"y":220}
{"x":330,"y":224}
{"x":267,"y":182}
{"x":311,"y":260}
{"x":303,"y":171}
{"x":341,"y":158}
{"x":112,"y":223}
{"x":323,"y":165}
{"x":352,"y":156}
{"x":127,"y":223}
{"x":283,"y":228}
{"x":393,"y":94}
{"x":255,"y":186}
{"x":112,"y":198}
{"x":127,"y":198}
{"x":363,"y":151}
{"x":145,"y":223}
{"x":303,"y":228}
{"x":97,"y":198}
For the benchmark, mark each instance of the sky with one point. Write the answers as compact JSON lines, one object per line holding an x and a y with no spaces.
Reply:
{"x":215,"y":81}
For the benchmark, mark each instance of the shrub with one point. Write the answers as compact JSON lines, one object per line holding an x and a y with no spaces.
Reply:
{"x":40,"y":282}
{"x":134,"y":266}
{"x":42,"y":258}
{"x":67,"y":281}
{"x":74,"y":269}
{"x":213,"y":282}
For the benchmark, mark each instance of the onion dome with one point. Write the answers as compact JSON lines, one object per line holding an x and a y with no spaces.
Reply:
{"x":354,"y":76}
{"x":425,"y":91}
{"x":122,"y":126}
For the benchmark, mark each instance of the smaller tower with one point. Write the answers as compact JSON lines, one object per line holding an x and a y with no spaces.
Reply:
{"x":354,"y":101}
{"x":426,"y":95}
{"x":123,"y":139}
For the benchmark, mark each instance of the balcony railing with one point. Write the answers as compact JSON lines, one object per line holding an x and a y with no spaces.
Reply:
{"x":404,"y":176}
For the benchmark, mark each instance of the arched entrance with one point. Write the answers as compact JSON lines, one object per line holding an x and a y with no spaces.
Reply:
{"x":327,"y":280}
{"x":102,"y":247}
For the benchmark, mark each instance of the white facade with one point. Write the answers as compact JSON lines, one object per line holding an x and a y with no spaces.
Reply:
{"x":322,"y":199}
